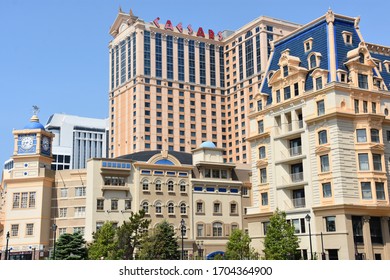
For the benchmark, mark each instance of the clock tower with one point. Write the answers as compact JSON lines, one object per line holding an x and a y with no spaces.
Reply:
{"x":28,"y":215}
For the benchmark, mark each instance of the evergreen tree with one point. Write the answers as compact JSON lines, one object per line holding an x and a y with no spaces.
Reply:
{"x":104,"y":243}
{"x":131,"y":234}
{"x":238,"y":246}
{"x":161,"y":245}
{"x":71,"y":247}
{"x":280,"y":241}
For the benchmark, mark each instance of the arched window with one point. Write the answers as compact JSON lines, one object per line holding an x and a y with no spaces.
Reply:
{"x":322,"y":137}
{"x":158,"y":185}
{"x":183,"y":208}
{"x":158,"y":207}
{"x":145,"y":206}
{"x":171,"y":208}
{"x":145,"y":185}
{"x":262,"y":152}
{"x":182,"y":186}
{"x":361,"y":58}
{"x":313,"y":61}
{"x":217,"y":229}
{"x":170,"y":186}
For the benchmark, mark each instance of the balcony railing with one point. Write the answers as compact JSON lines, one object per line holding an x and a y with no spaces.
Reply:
{"x":296,"y":177}
{"x":299,"y":202}
{"x":295,"y":151}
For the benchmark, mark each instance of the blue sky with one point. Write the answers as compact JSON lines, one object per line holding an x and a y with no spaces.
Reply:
{"x":54,"y":53}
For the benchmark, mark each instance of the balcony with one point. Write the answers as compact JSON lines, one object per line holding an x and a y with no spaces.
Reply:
{"x":295,"y":151}
{"x":299,"y":202}
{"x":296,"y":177}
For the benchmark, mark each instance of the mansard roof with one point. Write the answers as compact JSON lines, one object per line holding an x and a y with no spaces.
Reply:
{"x":318,"y":32}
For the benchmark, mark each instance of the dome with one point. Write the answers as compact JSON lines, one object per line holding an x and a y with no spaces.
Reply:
{"x":34,"y":124}
{"x":207,"y":144}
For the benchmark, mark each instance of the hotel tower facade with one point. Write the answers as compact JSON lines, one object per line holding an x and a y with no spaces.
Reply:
{"x":174,"y":86}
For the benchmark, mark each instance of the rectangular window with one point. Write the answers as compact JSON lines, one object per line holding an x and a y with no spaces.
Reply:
{"x":356,"y":105}
{"x":260,"y":126}
{"x":31,"y":201}
{"x":79,"y":211}
{"x":285,"y":71}
{"x":326,"y":190}
{"x":278,"y":96}
{"x":80,"y":191}
{"x":30,"y":229}
{"x":375,"y":136}
{"x":79,"y":230}
{"x":100,"y":204}
{"x":373,"y":107}
{"x":63,"y":212}
{"x":199,"y":230}
{"x":127,"y":204}
{"x":380,"y":191}
{"x":264,"y":199}
{"x":365,"y":107}
{"x":366,"y":190}
{"x":322,"y":137}
{"x":287,"y":93}
{"x":146,"y":53}
{"x":363,"y":81}
{"x":114,"y":205}
{"x":14,"y":230}
{"x":24,"y":200}
{"x":377,"y":160}
{"x":361,"y":135}
{"x":324,"y":163}
{"x":296,"y":89}
{"x":64,"y":192}
{"x":363,"y":162}
{"x":318,"y":83}
{"x":199,"y":207}
{"x":320,"y":107}
{"x":217,"y":207}
{"x":233,"y":208}
{"x":263,"y":175}
{"x":16,"y":200}
{"x":330,"y":223}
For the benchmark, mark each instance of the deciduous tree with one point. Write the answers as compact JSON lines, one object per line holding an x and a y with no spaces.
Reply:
{"x":280,"y":242}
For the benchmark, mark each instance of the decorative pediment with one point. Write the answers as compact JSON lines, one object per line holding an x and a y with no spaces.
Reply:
{"x":323,"y":149}
{"x":261,"y":163}
{"x":378,"y":147}
{"x":355,"y":56}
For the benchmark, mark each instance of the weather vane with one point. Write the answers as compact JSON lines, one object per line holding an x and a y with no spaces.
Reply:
{"x":35,"y":110}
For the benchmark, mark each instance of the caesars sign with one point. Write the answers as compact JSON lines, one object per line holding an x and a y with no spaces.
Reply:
{"x":179,"y":27}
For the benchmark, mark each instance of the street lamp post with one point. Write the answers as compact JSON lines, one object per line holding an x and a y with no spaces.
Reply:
{"x":322,"y":245}
{"x":6,"y":247}
{"x":182,"y":228}
{"x":199,"y":245}
{"x":308,"y":218}
{"x":54,"y":228}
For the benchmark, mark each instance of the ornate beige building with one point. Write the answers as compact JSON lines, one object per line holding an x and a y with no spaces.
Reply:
{"x":38,"y":204}
{"x":320,"y":141}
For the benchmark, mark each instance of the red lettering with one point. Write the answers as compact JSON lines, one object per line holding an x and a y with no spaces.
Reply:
{"x":169,"y":25}
{"x":156,"y":22}
{"x":200,"y":32}
{"x":180,"y":27}
{"x":190,"y":31}
{"x":211,"y":34}
{"x":220,"y":37}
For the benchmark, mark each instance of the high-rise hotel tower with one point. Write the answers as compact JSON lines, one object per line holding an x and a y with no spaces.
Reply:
{"x":174,"y":86}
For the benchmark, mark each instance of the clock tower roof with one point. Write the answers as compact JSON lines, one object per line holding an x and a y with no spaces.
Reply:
{"x":34,"y":123}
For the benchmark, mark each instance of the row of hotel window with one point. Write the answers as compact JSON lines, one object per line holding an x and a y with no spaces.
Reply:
{"x":29,"y":230}
{"x":217,"y":208}
{"x":361,"y":137}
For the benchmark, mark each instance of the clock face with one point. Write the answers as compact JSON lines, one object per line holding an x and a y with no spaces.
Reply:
{"x":27,"y":142}
{"x":45,"y":144}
